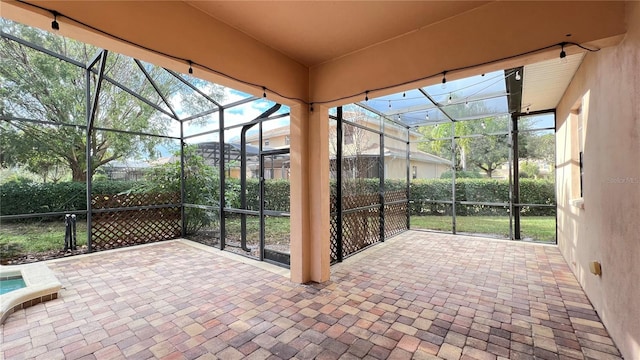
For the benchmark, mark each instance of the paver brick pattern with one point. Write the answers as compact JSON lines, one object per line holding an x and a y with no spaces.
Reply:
{"x":418,"y":295}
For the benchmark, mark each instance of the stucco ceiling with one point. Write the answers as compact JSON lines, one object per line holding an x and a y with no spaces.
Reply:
{"x":313,"y":32}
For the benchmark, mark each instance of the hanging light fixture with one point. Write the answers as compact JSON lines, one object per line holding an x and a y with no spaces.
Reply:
{"x":518,"y":77}
{"x":563,"y":54}
{"x":54,"y":23}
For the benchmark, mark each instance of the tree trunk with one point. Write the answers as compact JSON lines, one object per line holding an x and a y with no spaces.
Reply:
{"x":77,"y":172}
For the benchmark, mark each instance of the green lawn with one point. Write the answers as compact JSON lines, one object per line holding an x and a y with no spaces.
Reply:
{"x":40,"y":236}
{"x":539,"y":228}
{"x":277,"y":230}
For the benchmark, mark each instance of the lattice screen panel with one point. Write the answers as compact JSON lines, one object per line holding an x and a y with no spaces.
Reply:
{"x":359,"y":230}
{"x":395,"y":215}
{"x":120,"y":228}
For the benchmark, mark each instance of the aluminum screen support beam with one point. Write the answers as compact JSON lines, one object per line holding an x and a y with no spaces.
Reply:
{"x":408,"y":190}
{"x":193,"y":87}
{"x":381,"y":184}
{"x":453,"y":176}
{"x":92,"y":108}
{"x":339,"y":249}
{"x":221,"y":165}
{"x":516,"y":180}
{"x":156,"y":88}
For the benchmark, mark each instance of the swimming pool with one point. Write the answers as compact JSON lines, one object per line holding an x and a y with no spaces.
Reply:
{"x":10,"y":284}
{"x":22,"y":286}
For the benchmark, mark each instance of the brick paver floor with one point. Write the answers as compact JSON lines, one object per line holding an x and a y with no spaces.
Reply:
{"x":419,"y":295}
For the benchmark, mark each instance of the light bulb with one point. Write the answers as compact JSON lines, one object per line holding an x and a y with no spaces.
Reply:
{"x":449,"y":100}
{"x":518,"y":77}
{"x":563,"y":55}
{"x":427,"y":117}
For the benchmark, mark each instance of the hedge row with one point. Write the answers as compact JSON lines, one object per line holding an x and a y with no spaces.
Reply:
{"x":30,"y":198}
{"x":425,"y":192}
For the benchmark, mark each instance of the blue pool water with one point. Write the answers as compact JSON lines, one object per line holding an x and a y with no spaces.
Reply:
{"x":10,"y":285}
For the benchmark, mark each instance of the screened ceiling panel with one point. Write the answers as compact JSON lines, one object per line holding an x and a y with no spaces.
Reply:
{"x":464,"y":109}
{"x":400,"y":102}
{"x":475,"y":97}
{"x":249,"y":111}
{"x":468,"y":88}
{"x":61,"y":45}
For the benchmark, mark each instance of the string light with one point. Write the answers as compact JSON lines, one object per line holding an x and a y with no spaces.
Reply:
{"x":366,"y":95}
{"x":54,"y":23}
{"x":264,"y":92}
{"x":190,"y":68}
{"x":389,"y":104}
{"x":518,"y":77}
{"x":404,"y":94}
{"x":427,"y":117}
{"x":56,"y":26}
{"x":449,"y":100}
{"x":444,"y":79}
{"x":399,"y":117}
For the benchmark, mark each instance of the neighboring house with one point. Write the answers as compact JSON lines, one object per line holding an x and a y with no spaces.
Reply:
{"x":128,"y":170}
{"x":277,"y":138}
{"x":361,"y":152}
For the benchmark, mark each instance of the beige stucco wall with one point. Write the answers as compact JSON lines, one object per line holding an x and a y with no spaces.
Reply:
{"x":607,"y":86}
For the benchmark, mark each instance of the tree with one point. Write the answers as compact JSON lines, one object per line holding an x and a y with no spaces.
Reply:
{"x":485,"y":151}
{"x":35,"y":85}
{"x":542,"y":147}
{"x":360,"y":150}
{"x":201,"y":183}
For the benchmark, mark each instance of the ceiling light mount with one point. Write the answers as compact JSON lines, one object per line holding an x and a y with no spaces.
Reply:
{"x":54,"y":23}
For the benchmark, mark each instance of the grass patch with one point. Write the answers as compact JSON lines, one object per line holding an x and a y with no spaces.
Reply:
{"x":539,"y":228}
{"x":40,"y":236}
{"x":277,"y":230}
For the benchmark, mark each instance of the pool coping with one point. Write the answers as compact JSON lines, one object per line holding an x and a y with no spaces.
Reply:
{"x":41,"y":285}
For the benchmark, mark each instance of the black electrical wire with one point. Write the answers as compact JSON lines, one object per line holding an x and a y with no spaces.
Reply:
{"x":365,"y":93}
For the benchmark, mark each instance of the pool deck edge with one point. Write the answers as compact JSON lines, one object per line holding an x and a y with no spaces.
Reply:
{"x":41,"y":286}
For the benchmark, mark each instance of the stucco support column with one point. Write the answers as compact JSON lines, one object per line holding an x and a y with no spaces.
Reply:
{"x":309,"y":181}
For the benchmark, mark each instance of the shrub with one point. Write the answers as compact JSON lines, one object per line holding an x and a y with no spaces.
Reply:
{"x":32,"y":198}
{"x":461,"y":175}
{"x":425,"y":191}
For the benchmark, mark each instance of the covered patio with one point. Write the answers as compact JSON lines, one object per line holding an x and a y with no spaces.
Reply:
{"x":413,"y":294}
{"x":419,"y":295}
